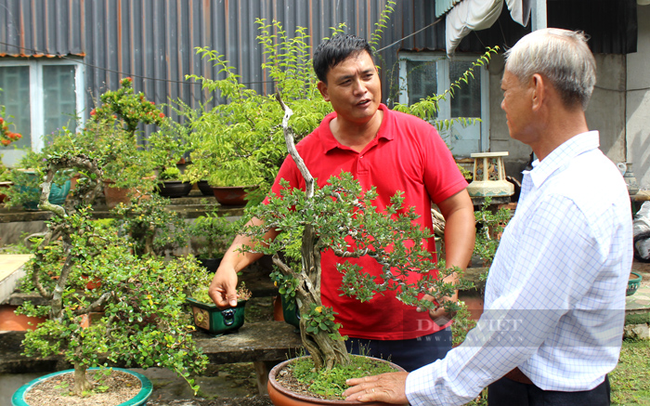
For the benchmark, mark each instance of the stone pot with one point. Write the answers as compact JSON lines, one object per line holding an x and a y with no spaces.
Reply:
{"x":281,"y":396}
{"x":18,"y":399}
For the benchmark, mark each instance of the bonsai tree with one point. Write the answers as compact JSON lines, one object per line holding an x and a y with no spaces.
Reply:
{"x":141,"y":298}
{"x":214,"y":233}
{"x":341,"y":216}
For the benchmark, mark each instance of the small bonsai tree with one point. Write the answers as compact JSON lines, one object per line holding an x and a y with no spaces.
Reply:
{"x":141,"y":298}
{"x":214,"y":233}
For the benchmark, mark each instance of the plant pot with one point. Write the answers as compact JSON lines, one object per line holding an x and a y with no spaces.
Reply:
{"x":210,"y":264}
{"x":58,"y":194}
{"x":281,"y":396}
{"x":117,"y":195}
{"x":633,"y":283}
{"x":4,"y":185}
{"x":18,"y":399}
{"x":205,"y":188}
{"x":231,"y":195}
{"x":291,"y":314}
{"x":217,"y":321}
{"x":10,"y":321}
{"x":174,"y":188}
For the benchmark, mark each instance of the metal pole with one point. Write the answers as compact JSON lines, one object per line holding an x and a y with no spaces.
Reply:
{"x":538,"y":12}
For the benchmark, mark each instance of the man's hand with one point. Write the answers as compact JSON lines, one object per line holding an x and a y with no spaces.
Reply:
{"x":389,"y":388}
{"x":223,"y":289}
{"x":438,"y":314}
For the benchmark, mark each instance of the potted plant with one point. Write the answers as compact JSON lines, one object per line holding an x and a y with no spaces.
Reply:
{"x":128,"y":165}
{"x":141,"y":298}
{"x":171,"y":184}
{"x":5,"y":181}
{"x":239,"y":142}
{"x":153,"y":229}
{"x":214,"y":320}
{"x":213,"y":233}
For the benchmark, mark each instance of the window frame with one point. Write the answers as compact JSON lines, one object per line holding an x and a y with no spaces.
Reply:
{"x":442,"y":62}
{"x":36,"y":95}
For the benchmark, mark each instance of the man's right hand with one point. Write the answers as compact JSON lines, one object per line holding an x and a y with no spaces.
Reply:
{"x":223,"y":289}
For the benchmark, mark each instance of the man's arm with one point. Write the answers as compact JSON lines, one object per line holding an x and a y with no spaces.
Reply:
{"x":223,"y":288}
{"x":460,"y":232}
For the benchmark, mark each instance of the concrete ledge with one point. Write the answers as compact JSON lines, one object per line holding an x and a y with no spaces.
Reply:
{"x":11,"y":270}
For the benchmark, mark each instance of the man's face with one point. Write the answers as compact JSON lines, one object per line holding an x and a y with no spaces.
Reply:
{"x":518,"y":106}
{"x":353,"y":87}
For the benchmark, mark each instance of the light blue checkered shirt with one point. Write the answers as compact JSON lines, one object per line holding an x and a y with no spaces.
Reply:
{"x":555,"y":296}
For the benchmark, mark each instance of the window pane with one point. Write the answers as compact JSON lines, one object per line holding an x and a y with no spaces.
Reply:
{"x":467,"y":100}
{"x":59,"y":98}
{"x":422,"y":79}
{"x":14,"y":82}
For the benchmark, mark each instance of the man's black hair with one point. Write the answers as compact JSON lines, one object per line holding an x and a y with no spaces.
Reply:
{"x":335,"y":50}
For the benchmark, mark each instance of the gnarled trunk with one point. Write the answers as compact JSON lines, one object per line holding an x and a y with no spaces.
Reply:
{"x":81,"y":384}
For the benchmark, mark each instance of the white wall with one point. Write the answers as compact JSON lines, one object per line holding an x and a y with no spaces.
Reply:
{"x":638,"y":102}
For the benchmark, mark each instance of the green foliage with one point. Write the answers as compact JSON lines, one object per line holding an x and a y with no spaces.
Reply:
{"x":490,"y":225}
{"x":153,"y":228}
{"x":321,"y":318}
{"x":331,"y":384}
{"x":240,"y":142}
{"x":215,"y":233}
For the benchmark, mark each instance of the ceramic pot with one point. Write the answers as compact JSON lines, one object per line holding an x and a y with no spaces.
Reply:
{"x":18,"y":399}
{"x":174,"y":188}
{"x":281,"y":396}
{"x":217,"y":321}
{"x":210,"y":264}
{"x":231,"y":195}
{"x":117,"y":195}
{"x":205,"y":188}
{"x":58,"y":193}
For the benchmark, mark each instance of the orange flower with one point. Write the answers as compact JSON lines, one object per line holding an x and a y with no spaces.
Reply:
{"x":5,"y":142}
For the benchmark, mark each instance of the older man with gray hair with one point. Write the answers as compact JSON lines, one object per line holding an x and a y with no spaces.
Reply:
{"x":555,"y":295}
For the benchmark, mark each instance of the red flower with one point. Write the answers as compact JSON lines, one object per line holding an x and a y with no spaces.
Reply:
{"x":2,"y":120}
{"x":5,"y":142}
{"x":161,"y":115}
{"x":93,"y":112}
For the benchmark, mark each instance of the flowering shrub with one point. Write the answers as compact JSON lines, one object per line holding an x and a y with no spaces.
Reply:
{"x":6,"y":136}
{"x":123,"y":104}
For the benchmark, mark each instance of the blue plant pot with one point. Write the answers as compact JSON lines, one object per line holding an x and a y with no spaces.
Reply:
{"x":18,"y":399}
{"x":58,"y":193}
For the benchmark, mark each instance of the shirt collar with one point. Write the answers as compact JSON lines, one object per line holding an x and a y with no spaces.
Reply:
{"x":571,"y":148}
{"x":329,"y":142}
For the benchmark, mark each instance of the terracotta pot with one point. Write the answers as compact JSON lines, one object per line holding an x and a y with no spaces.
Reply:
{"x":117,"y":195}
{"x":231,"y":195}
{"x":281,"y":396}
{"x":10,"y":321}
{"x":18,"y":399}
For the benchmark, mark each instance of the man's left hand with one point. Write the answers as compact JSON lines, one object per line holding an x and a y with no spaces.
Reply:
{"x":388,"y":388}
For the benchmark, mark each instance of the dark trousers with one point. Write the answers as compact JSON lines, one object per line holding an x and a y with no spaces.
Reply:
{"x":506,"y":392}
{"x":409,"y":354}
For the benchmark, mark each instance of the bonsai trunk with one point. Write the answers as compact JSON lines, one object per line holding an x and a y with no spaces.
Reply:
{"x":81,"y":384}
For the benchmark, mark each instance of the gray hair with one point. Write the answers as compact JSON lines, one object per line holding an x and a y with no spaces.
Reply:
{"x":560,"y":55}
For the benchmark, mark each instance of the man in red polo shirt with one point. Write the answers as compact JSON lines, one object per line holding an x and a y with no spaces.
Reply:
{"x":393,"y":152}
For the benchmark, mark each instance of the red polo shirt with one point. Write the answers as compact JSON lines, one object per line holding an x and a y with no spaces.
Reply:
{"x":407,"y":155}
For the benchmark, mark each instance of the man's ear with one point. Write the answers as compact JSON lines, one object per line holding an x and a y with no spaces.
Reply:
{"x":322,"y":87}
{"x":538,"y":84}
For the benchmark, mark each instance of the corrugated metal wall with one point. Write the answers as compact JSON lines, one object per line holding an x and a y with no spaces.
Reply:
{"x":153,"y":41}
